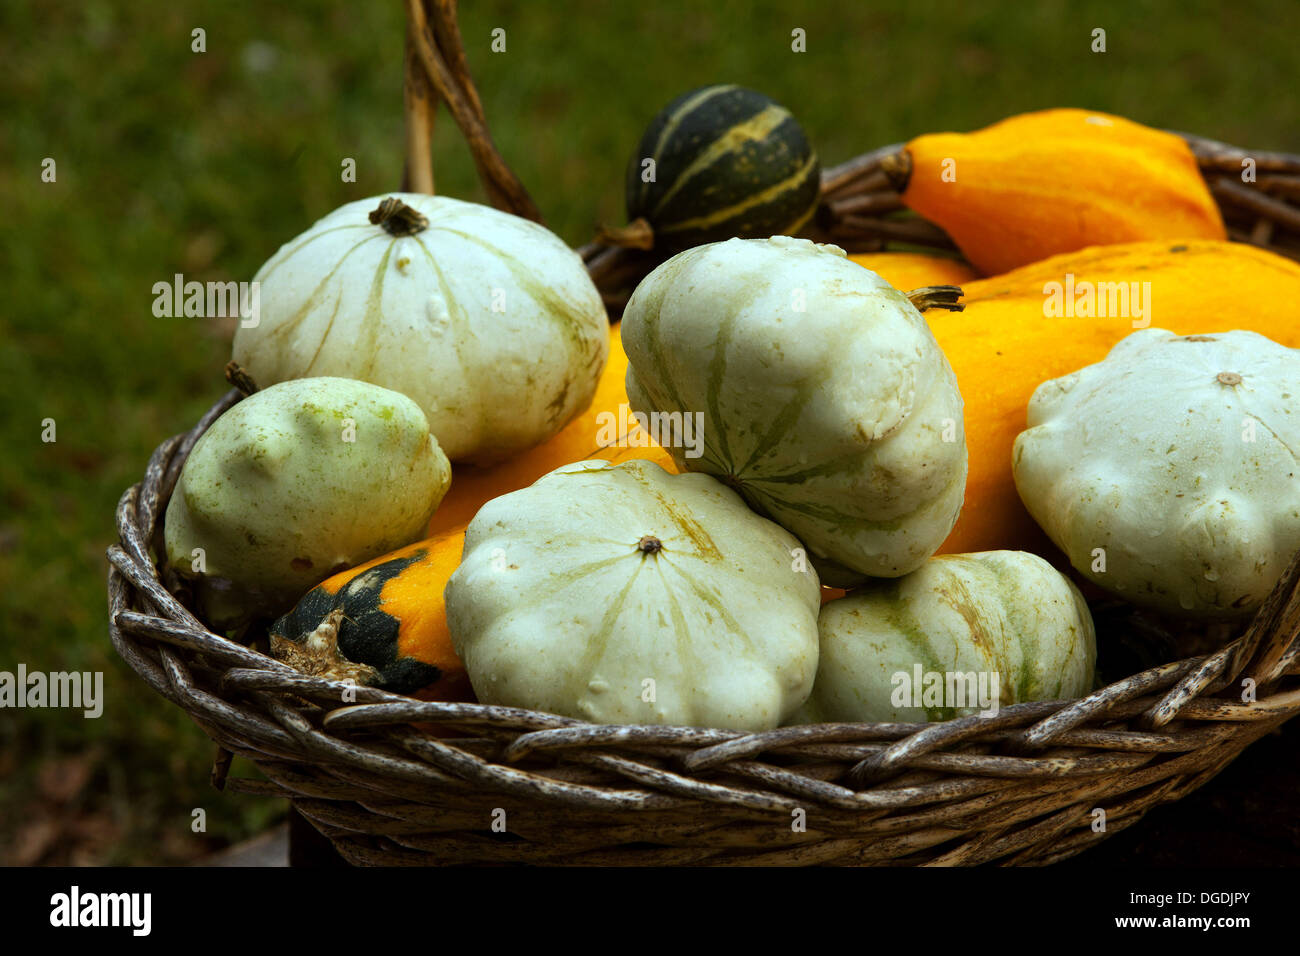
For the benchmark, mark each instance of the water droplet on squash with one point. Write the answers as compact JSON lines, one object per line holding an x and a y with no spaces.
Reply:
{"x":435,"y":311}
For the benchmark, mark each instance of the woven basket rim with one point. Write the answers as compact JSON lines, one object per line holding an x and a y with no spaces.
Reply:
{"x":1020,"y":787}
{"x":1048,"y":753}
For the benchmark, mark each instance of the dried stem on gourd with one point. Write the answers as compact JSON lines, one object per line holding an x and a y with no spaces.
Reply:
{"x":318,"y":654}
{"x":897,"y":168}
{"x":637,"y":234}
{"x":239,"y":378}
{"x":937,"y":297}
{"x":398,"y":219}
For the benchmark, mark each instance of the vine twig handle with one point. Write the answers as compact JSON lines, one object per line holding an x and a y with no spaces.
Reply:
{"x":434,"y":37}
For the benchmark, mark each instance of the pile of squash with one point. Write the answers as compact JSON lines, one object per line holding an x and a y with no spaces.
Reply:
{"x":781,"y":489}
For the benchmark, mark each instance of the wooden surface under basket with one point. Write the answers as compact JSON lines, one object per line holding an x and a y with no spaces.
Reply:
{"x":1024,"y":787}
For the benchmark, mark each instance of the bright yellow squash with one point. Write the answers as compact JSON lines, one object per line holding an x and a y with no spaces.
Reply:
{"x":914,"y":270}
{"x":1055,"y":181}
{"x":582,"y":438}
{"x":1006,"y":343}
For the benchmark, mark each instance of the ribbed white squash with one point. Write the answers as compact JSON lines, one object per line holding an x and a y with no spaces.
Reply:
{"x":1168,"y":472}
{"x":1003,"y":613}
{"x":825,"y":399}
{"x":624,"y":594}
{"x":488,"y":321}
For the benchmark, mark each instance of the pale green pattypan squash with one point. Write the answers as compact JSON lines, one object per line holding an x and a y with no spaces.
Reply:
{"x":489,"y":321}
{"x":624,"y":594}
{"x":296,"y":482}
{"x":821,"y":395}
{"x":964,"y":634}
{"x":1168,"y":471}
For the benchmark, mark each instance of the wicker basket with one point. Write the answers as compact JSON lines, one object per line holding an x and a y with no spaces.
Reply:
{"x":500,"y":785}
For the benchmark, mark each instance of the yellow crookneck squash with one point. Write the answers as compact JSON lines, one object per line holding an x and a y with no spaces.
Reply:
{"x":914,"y":270}
{"x":1056,"y":316}
{"x":1055,"y":181}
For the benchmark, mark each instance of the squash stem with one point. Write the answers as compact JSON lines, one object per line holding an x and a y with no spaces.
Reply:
{"x":897,"y":168}
{"x":637,"y":234}
{"x":238,"y":377}
{"x":398,"y":219}
{"x":937,"y":297}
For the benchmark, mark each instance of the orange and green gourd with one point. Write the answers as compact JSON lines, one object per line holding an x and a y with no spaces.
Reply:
{"x":382,"y":623}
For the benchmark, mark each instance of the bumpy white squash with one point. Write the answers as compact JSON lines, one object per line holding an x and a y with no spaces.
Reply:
{"x":489,"y":321}
{"x":624,"y":594}
{"x":296,"y":482}
{"x":1168,"y":472}
{"x":965,"y":633}
{"x":825,"y":400}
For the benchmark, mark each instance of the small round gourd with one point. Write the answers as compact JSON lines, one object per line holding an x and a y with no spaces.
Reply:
{"x":488,"y":321}
{"x":624,"y":594}
{"x":1002,"y":624}
{"x":1168,"y":472}
{"x":722,"y":161}
{"x":296,"y":482}
{"x":820,"y":392}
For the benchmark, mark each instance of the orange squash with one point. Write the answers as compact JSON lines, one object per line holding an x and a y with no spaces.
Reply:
{"x":1055,"y":181}
{"x":582,"y":438}
{"x":1004,"y":345}
{"x":913,"y":270}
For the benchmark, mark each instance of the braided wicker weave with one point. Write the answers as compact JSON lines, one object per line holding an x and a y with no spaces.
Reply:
{"x":1035,"y":784}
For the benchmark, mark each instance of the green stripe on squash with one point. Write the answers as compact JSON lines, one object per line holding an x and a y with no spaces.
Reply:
{"x":727,"y":162}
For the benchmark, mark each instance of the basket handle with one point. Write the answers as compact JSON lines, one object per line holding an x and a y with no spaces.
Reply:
{"x":436,"y":69}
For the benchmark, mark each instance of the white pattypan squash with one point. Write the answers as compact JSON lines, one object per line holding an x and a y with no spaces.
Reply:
{"x":1168,"y":472}
{"x":624,"y":594}
{"x":822,"y":396}
{"x":488,"y":321}
{"x":965,"y":633}
{"x":296,"y":482}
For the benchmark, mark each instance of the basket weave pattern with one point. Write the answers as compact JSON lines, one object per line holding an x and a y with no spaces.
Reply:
{"x":393,"y":780}
{"x":1018,"y":788}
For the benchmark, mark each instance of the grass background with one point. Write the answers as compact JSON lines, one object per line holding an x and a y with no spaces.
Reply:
{"x":204,"y":163}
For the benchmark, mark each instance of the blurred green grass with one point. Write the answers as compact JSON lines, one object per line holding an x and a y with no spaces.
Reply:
{"x":204,"y":163}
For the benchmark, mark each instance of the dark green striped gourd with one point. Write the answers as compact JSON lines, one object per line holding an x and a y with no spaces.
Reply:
{"x":727,"y":162}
